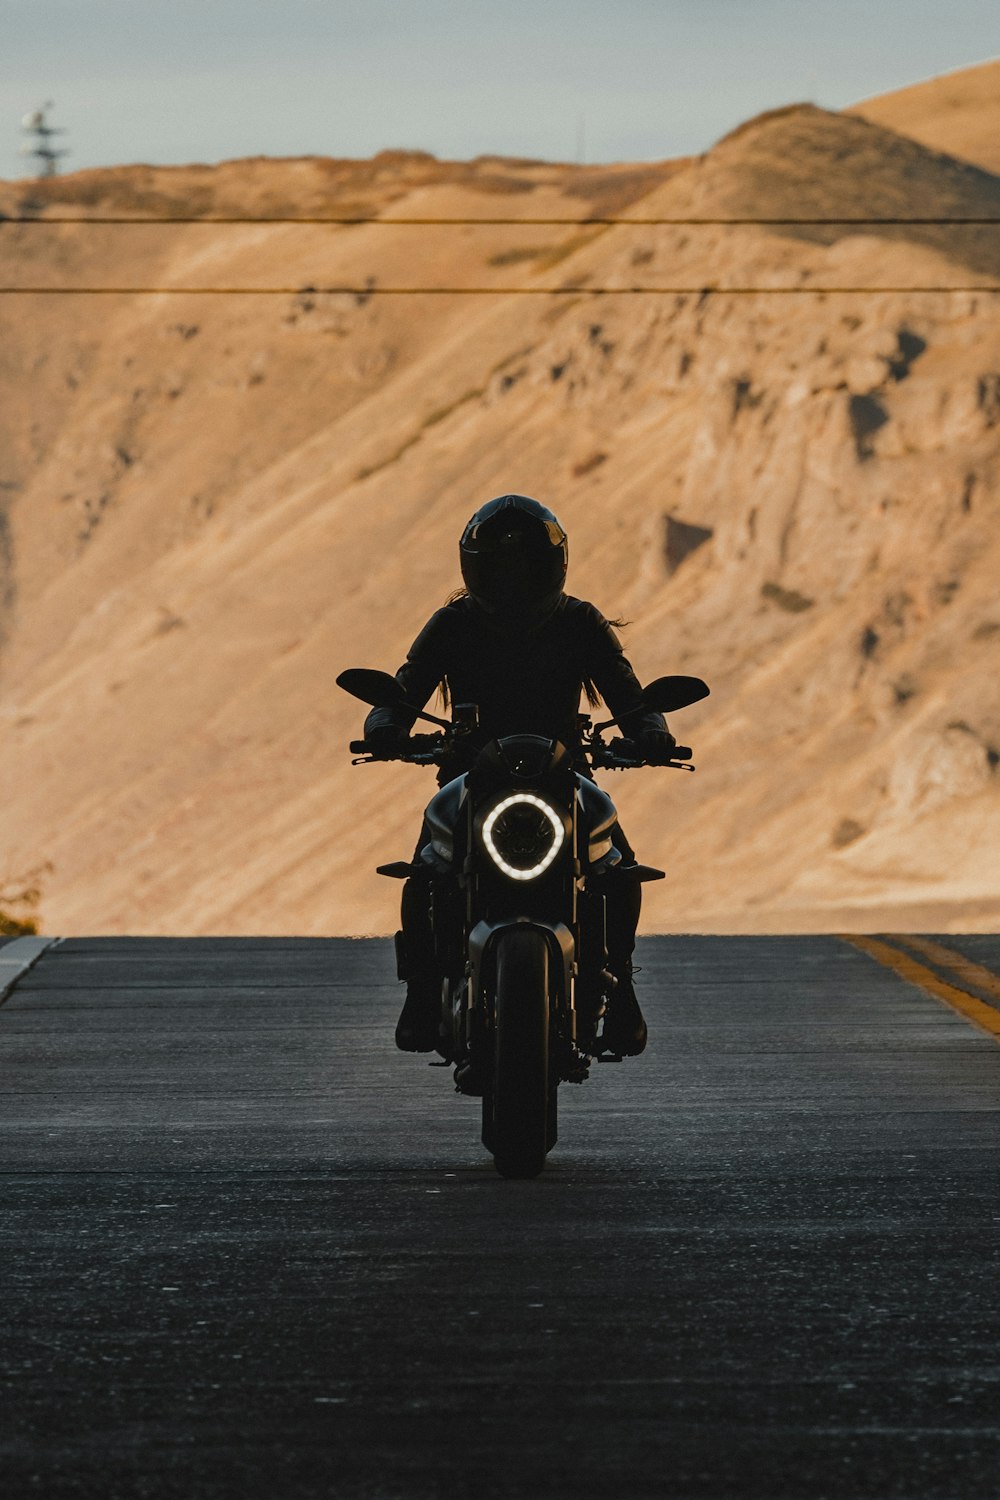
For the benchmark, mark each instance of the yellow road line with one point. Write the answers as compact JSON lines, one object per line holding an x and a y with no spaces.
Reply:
{"x":976,"y":1011}
{"x":948,"y":958}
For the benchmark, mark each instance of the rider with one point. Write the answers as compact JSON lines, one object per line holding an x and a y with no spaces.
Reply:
{"x":517,"y":645}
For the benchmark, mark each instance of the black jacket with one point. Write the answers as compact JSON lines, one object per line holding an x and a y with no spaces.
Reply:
{"x":523,"y":683}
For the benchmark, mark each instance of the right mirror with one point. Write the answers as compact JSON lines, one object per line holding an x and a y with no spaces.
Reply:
{"x":668,"y":694}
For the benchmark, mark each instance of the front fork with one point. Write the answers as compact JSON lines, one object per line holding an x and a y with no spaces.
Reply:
{"x":470,"y":1013}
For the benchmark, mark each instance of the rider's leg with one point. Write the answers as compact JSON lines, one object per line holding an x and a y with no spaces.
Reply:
{"x":624,"y":1026}
{"x":417,"y":1029}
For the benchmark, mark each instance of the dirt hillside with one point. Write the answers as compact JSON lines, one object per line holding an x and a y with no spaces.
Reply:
{"x":956,"y":113}
{"x":212,"y":503}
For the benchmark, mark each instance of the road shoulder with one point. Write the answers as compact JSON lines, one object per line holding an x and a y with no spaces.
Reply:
{"x":17,"y":957}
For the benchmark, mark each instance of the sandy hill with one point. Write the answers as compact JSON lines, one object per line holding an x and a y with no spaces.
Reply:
{"x":213,"y":503}
{"x":958,"y":113}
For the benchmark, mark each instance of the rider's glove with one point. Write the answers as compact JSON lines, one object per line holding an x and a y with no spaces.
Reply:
{"x":385,"y":740}
{"x":656,"y":746}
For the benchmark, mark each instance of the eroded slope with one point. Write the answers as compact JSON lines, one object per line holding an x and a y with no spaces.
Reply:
{"x":215,"y":503}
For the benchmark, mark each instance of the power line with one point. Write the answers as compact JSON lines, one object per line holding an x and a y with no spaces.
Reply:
{"x":363,"y":293}
{"x":588,"y":223}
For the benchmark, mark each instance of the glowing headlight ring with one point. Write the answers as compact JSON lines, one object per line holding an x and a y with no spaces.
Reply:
{"x":555,"y":823}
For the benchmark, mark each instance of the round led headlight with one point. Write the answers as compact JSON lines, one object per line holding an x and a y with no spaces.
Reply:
{"x":523,"y":835}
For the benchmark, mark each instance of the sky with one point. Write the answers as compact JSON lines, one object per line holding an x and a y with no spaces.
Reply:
{"x":596,"y":80}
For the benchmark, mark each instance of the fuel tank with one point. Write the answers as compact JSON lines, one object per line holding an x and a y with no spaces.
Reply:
{"x":443,"y":813}
{"x":598,"y":817}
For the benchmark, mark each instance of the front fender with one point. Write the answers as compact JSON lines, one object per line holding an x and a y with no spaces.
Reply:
{"x":558,"y":936}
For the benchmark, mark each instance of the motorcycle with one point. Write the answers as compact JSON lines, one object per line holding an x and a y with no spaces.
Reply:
{"x":518,"y":864}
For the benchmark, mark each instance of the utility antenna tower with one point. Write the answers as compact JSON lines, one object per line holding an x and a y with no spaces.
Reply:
{"x":35,"y":124}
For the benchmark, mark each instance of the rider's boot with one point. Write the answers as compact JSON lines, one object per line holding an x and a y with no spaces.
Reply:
{"x":420,"y":1019}
{"x":417,"y":1029}
{"x":624,"y":1025}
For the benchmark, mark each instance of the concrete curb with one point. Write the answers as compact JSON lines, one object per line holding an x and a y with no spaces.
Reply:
{"x":18,"y":957}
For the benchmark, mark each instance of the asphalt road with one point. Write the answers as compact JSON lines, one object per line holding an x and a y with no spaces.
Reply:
{"x":249,"y":1249}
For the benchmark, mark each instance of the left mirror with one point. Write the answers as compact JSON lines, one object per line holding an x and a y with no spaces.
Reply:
{"x":376,"y":688}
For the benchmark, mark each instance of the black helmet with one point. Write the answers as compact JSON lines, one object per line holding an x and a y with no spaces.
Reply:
{"x":514,"y":556}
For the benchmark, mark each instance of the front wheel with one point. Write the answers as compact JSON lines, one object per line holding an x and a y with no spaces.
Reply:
{"x":517,"y":1110}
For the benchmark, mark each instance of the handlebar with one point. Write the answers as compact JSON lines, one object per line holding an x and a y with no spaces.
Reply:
{"x":415,"y":749}
{"x":624,"y":755}
{"x":431,"y":749}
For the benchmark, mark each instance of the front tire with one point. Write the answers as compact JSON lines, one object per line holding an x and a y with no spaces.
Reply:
{"x":517,"y":1107}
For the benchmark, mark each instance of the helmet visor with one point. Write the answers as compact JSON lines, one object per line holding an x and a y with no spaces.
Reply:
{"x":496,"y":530}
{"x":512,"y":560}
